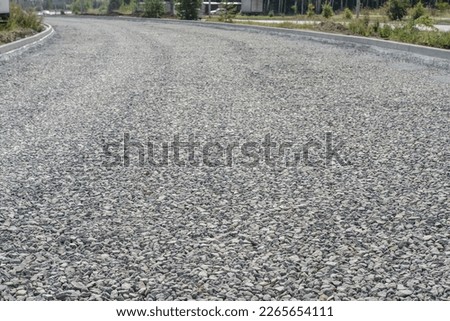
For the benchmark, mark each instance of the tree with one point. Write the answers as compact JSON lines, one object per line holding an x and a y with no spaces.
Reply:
{"x":229,"y":13}
{"x":81,"y":6}
{"x":153,"y":8}
{"x":172,"y":7}
{"x":327,"y":10}
{"x":397,"y":9}
{"x":188,"y":9}
{"x":418,"y":11}
{"x":310,"y":11}
{"x":48,"y":5}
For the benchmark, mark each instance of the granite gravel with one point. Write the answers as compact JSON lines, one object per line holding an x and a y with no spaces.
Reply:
{"x":72,"y":228}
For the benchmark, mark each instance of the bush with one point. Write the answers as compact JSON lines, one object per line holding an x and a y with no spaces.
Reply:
{"x":327,"y":11}
{"x":366,"y":20}
{"x":310,"y":11}
{"x":360,"y":27}
{"x":424,"y":21}
{"x":271,"y":13}
{"x":348,"y":14}
{"x":376,"y":27}
{"x":153,"y":8}
{"x":113,"y":5}
{"x":188,"y":9}
{"x":385,"y":31}
{"x":230,"y":12}
{"x":81,"y":5}
{"x":397,"y":9}
{"x":417,"y":11}
{"x":442,"y":6}
{"x":23,"y":19}
{"x":129,"y":7}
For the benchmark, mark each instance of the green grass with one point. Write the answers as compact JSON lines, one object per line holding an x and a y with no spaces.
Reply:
{"x":20,"y":18}
{"x":374,"y":15}
{"x":20,"y":24}
{"x":406,"y":32}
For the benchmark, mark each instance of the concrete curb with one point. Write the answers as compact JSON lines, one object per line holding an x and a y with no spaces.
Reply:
{"x":309,"y":34}
{"x":26,"y":43}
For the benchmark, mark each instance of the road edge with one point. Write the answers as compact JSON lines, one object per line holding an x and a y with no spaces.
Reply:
{"x":26,"y":43}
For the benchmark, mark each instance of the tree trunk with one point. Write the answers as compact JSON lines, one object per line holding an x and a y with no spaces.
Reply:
{"x":172,"y":8}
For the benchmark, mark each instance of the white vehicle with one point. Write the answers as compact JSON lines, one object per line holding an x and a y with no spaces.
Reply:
{"x":4,"y":9}
{"x":218,"y":11}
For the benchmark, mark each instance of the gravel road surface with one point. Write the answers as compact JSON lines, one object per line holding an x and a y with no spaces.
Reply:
{"x":368,"y":221}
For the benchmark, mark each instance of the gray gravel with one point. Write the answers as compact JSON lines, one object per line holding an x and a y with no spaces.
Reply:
{"x":73,"y":229}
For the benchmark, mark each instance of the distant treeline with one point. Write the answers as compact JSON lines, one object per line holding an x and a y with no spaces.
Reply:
{"x":287,"y":6}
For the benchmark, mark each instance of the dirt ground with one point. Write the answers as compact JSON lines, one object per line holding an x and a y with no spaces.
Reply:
{"x":329,"y":26}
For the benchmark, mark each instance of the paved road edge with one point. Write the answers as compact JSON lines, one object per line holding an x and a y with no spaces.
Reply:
{"x":26,"y":43}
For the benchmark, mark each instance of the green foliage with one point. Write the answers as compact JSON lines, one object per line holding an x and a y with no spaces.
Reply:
{"x":327,"y":11}
{"x":410,"y":34}
{"x":376,"y":27}
{"x":153,"y":8}
{"x":366,"y":20}
{"x":230,"y":12}
{"x":310,"y":11}
{"x":348,"y":14}
{"x":128,"y":8}
{"x":294,"y":8}
{"x":385,"y":31}
{"x":23,"y":19}
{"x":360,"y":27}
{"x":417,"y":11}
{"x":81,"y":6}
{"x":271,"y":13}
{"x":114,"y":5}
{"x":188,"y":9}
{"x":103,"y":8}
{"x":405,"y":32}
{"x":397,"y":9}
{"x":424,"y":21}
{"x":442,"y":6}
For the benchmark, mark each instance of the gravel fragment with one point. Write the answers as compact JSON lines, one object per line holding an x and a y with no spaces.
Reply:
{"x":403,"y":293}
